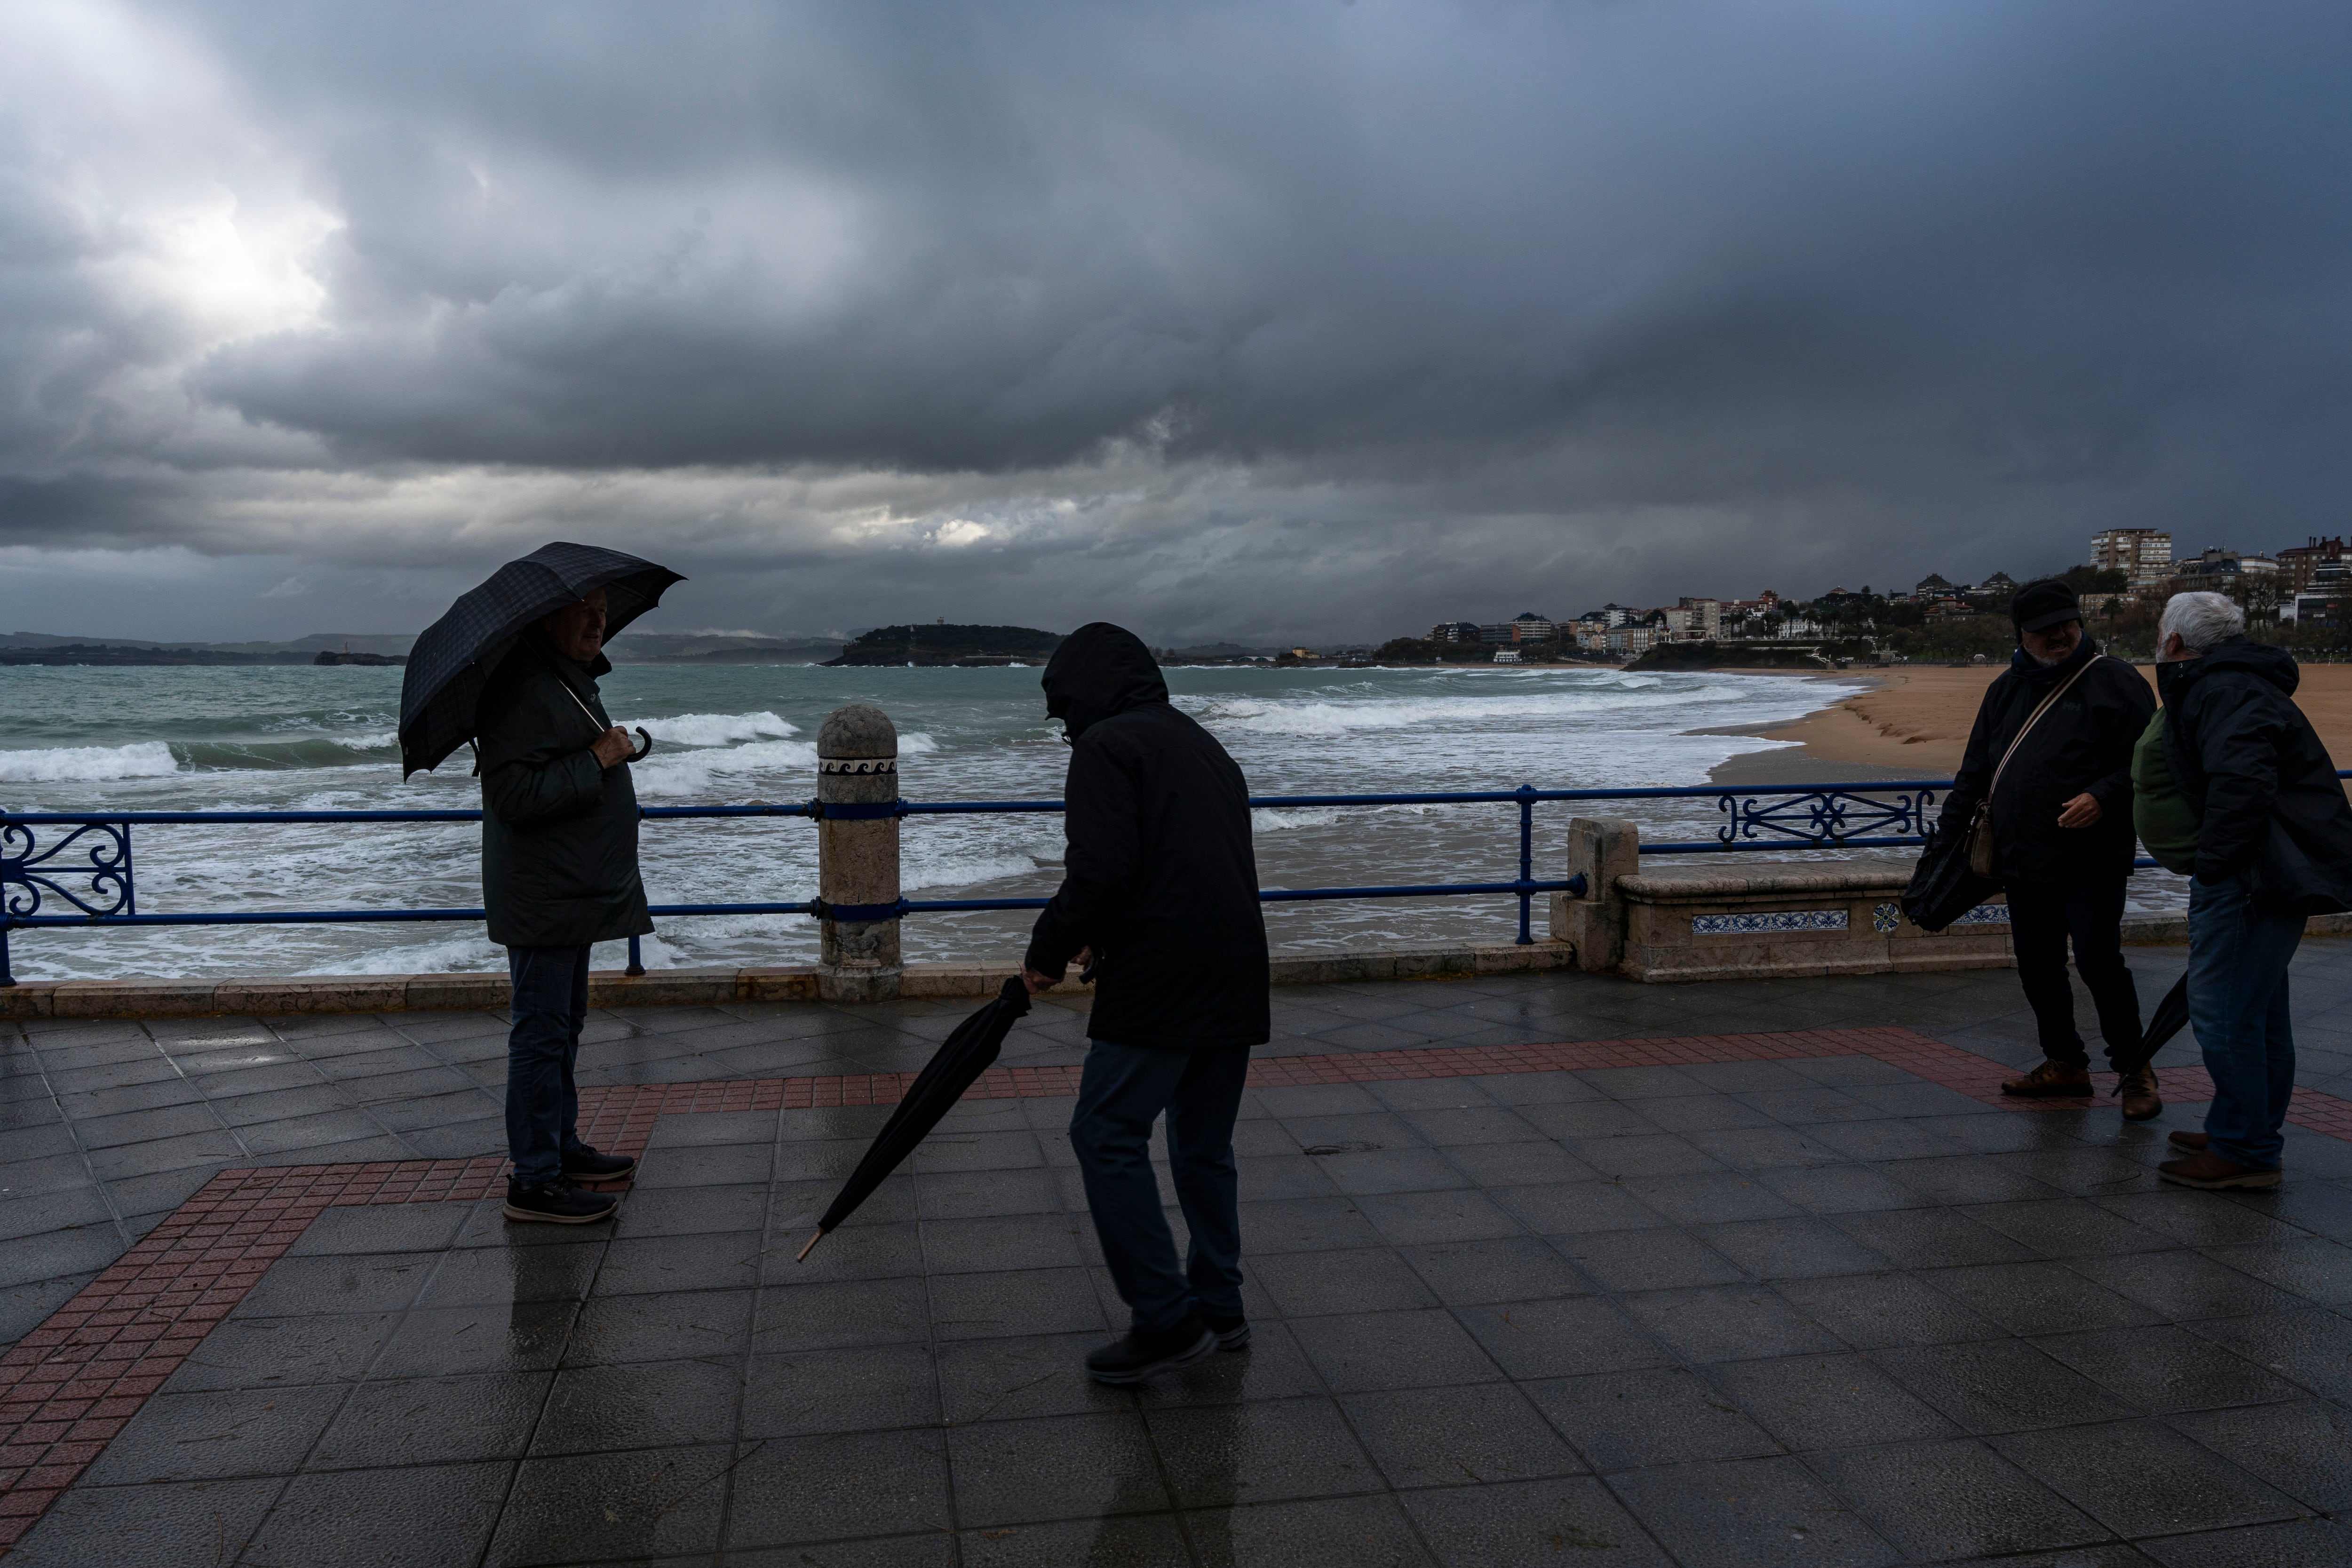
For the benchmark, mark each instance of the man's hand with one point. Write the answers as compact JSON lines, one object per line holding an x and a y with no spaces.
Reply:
{"x":1037,"y":982}
{"x":2083,"y":811}
{"x":612,"y":747}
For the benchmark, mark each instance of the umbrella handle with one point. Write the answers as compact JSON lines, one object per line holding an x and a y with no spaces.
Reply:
{"x":810,"y":1248}
{"x":644,"y":751}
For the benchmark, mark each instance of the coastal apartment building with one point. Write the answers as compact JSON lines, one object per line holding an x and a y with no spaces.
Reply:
{"x":2142,"y":554}
{"x":2300,"y":564}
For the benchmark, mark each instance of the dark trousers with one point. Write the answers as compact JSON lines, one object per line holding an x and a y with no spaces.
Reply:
{"x":2042,"y":916}
{"x":2238,"y":956}
{"x":1122,"y":1092}
{"x":551,"y":1003}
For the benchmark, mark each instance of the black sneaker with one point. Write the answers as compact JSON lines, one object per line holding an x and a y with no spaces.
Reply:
{"x":558,"y":1202}
{"x":1141,"y":1355}
{"x":585,"y":1164}
{"x":1232,"y":1333}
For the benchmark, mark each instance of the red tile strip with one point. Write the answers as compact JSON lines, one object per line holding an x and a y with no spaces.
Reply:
{"x":69,"y":1385}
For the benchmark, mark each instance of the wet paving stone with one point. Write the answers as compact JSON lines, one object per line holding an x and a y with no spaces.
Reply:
{"x":1813,"y":1310}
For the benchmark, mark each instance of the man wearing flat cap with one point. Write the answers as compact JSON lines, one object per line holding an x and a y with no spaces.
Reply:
{"x":2051,"y":754}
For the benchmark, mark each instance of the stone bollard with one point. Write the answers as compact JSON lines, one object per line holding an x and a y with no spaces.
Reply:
{"x":1600,"y":849}
{"x":857,"y":854}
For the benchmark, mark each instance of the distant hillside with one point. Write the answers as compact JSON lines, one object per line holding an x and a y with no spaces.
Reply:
{"x":718,"y":647}
{"x":939,"y":644}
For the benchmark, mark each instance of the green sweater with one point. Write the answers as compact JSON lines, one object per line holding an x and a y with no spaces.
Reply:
{"x":2165,"y":820}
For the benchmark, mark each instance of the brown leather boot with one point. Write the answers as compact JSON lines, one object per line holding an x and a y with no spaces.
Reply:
{"x":2212,"y":1172}
{"x":2141,"y":1103}
{"x":2195,"y":1142}
{"x":2051,"y":1078}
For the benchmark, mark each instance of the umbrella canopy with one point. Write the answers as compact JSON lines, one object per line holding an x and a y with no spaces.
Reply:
{"x":2171,"y":1016}
{"x":952,"y":1069}
{"x":454,"y":658}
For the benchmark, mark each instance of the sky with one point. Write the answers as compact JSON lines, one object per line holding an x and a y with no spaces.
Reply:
{"x":1258,"y":322}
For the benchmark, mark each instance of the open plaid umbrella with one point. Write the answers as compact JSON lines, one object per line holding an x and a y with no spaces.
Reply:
{"x":454,"y":658}
{"x":964,"y":1055}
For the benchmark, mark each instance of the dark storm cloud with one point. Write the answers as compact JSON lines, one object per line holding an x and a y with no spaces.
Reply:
{"x":1182,"y":307}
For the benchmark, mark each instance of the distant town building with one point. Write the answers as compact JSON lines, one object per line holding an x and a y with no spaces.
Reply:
{"x":2143,"y":554}
{"x":1999,"y":586}
{"x":1507,"y":656}
{"x":1706,"y":615}
{"x":1498,"y":632}
{"x":1932,"y":586}
{"x":2325,"y":600}
{"x":1528,"y":626}
{"x":2298,"y":563}
{"x":1455,"y":631}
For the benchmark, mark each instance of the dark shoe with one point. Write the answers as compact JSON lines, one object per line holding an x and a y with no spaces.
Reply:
{"x":2195,"y":1142}
{"x":1232,"y":1333}
{"x":2212,"y":1172}
{"x":2050,"y":1079}
{"x":558,"y":1202}
{"x":584,"y":1164}
{"x":1142,"y":1355}
{"x":2141,"y":1101}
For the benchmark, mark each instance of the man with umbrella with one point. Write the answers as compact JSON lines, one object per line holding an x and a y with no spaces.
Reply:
{"x":513,"y":667}
{"x":1159,"y":890}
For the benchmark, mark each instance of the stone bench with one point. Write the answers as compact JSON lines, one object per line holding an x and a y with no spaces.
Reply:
{"x":1741,"y":919}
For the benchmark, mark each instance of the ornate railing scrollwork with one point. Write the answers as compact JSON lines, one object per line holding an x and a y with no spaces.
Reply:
{"x":1825,"y":818}
{"x":98,"y":850}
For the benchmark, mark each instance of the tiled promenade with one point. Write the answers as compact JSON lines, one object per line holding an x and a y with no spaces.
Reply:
{"x":1548,"y":1269}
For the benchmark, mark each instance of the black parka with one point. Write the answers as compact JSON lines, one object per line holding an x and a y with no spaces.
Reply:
{"x":1159,"y":877}
{"x":2263,"y":786}
{"x":2082,"y":746}
{"x":559,"y":833}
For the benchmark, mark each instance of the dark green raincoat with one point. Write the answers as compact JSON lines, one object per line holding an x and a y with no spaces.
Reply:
{"x":559,"y":833}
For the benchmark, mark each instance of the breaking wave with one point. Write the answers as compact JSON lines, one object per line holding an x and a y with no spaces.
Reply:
{"x":715,"y":729}
{"x":140,"y":760}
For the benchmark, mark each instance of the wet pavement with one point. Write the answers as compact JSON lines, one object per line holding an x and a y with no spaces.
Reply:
{"x":1811,"y":1309}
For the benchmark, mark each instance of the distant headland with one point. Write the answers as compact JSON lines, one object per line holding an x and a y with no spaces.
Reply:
{"x":939,"y":644}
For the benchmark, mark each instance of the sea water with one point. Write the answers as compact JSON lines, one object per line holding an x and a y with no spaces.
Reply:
{"x":322,"y":738}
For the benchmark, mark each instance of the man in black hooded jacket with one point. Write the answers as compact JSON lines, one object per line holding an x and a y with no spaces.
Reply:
{"x":2062,"y":824}
{"x":1160,"y":893}
{"x":2274,"y":845}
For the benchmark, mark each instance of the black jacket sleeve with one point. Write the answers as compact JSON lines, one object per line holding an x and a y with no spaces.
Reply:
{"x":1101,"y":862}
{"x":2239,"y":730}
{"x":531,"y":770}
{"x":1975,"y":776}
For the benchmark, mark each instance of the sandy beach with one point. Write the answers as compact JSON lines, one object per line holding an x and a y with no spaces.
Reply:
{"x":1914,"y":724}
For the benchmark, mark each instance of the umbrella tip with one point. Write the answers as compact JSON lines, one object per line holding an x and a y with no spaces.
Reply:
{"x":810,"y":1248}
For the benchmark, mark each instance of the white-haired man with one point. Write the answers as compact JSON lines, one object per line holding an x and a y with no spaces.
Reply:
{"x":2260,"y":818}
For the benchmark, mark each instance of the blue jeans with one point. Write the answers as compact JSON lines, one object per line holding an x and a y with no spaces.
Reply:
{"x":1123,"y":1091}
{"x":551,"y":1003}
{"x":2238,"y":956}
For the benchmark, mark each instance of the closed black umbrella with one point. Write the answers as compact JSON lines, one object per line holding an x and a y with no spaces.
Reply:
{"x":451,"y":661}
{"x":2171,"y":1016}
{"x":967,"y":1054}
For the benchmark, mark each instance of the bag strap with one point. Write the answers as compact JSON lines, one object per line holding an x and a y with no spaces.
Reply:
{"x":2032,"y":719}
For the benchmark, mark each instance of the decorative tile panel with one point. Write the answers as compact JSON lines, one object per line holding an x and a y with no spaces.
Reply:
{"x":1768,"y":922}
{"x":1985,"y":915}
{"x":1885,"y":918}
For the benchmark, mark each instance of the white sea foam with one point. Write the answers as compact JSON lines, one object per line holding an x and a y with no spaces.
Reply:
{"x":914,"y":743}
{"x":963,"y":870}
{"x":697,"y":774}
{"x":1275,"y":819}
{"x":715,"y":729}
{"x":1332,"y":716}
{"x":376,"y":740}
{"x":139,"y":759}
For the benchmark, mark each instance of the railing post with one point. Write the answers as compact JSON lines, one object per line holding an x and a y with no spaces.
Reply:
{"x":1600,"y":849}
{"x":857,"y":854}
{"x":1527,"y":794}
{"x":636,"y":959}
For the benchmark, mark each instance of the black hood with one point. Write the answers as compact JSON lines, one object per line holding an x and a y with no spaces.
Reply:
{"x":1100,"y":669}
{"x":2274,"y":665}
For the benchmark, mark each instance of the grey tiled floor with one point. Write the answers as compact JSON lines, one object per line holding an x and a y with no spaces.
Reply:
{"x":1804,"y":1312}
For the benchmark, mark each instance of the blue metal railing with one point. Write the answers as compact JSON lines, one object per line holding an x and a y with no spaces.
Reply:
{"x":1859,"y":815}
